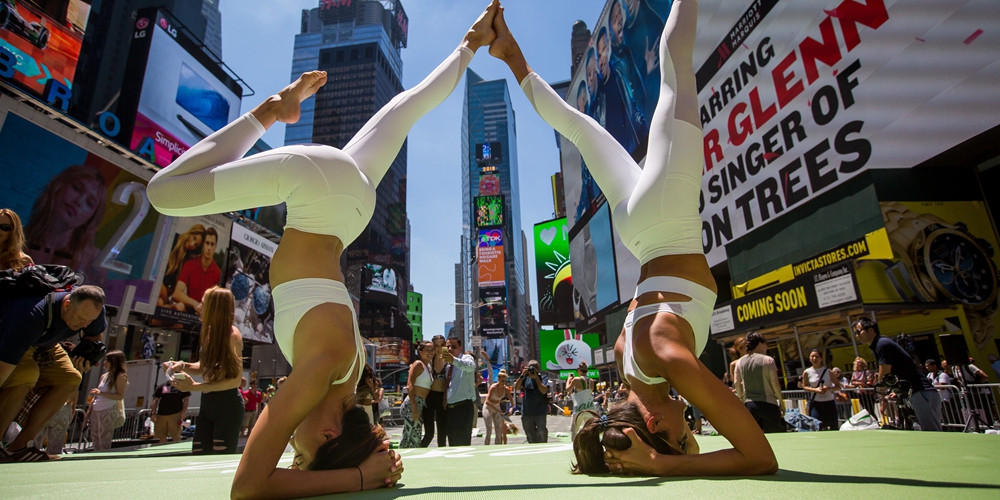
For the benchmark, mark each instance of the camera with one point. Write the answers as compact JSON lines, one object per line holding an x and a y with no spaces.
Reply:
{"x":89,"y":350}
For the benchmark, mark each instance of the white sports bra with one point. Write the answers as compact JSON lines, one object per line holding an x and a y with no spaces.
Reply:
{"x":697,"y":312}
{"x":424,"y":380}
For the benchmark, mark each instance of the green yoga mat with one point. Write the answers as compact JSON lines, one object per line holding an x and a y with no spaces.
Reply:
{"x":842,"y":465}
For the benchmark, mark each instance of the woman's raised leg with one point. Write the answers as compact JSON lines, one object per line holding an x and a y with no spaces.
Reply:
{"x":612,"y":167}
{"x":376,"y":145}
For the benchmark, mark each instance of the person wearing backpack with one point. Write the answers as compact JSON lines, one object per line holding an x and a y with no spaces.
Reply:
{"x":822,"y":389}
{"x":30,"y":329}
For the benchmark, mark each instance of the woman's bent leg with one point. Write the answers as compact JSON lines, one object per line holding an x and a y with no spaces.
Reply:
{"x":376,"y":145}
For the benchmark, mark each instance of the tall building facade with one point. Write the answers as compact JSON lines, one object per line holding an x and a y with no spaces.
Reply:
{"x":492,"y":252}
{"x":100,"y":70}
{"x":415,"y":313}
{"x":358,"y":44}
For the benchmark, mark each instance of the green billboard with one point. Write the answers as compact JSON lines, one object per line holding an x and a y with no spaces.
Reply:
{"x":566,"y":349}
{"x":552,"y":272}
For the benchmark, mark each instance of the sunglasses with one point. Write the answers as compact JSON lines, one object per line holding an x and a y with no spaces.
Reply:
{"x":243,"y":285}
{"x":6,"y":227}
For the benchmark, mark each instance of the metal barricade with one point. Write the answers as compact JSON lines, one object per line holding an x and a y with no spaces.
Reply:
{"x":981,"y":405}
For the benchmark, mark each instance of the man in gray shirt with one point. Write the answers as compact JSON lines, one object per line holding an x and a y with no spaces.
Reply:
{"x":756,"y":384}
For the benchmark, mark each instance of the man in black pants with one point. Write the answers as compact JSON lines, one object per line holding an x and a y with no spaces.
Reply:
{"x":461,"y":393}
{"x":893,"y":359}
{"x":536,"y":402}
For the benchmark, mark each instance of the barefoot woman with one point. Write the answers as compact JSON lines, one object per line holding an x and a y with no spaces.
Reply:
{"x":330,"y":197}
{"x":656,"y":212}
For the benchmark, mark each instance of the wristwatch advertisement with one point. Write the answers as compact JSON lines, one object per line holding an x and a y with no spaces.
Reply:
{"x":940,"y":259}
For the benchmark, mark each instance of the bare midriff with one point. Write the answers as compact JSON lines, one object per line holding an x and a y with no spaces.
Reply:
{"x":306,"y":255}
{"x":692,"y":267}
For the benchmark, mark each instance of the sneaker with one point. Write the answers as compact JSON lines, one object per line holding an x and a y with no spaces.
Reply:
{"x":31,"y":454}
{"x":5,"y":458}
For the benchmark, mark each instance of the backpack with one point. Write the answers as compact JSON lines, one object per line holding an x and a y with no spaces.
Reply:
{"x":37,"y":280}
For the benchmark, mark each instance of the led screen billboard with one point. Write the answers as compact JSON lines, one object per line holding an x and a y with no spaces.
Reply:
{"x":566,"y":349}
{"x":82,"y":206}
{"x":380,"y":283}
{"x":489,"y":211}
{"x":44,"y":38}
{"x":489,"y":153}
{"x":796,"y":97}
{"x":552,"y":272}
{"x":493,"y":320}
{"x":191,"y":257}
{"x":595,"y":277}
{"x":490,"y":258}
{"x":247,"y":276}
{"x":391,"y":352}
{"x":184,"y":97}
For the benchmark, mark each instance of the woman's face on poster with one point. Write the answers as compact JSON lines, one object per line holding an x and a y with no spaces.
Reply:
{"x":193,"y":242}
{"x":77,"y":200}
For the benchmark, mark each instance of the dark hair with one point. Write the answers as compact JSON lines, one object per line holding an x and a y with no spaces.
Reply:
{"x":437,"y":337}
{"x":865,"y":323}
{"x":210,"y":231}
{"x":583,"y":366}
{"x":591,"y":440}
{"x":366,"y":388}
{"x":117,"y":361}
{"x":455,"y":340}
{"x":931,"y":361}
{"x":753,"y":340}
{"x":358,"y":439}
{"x":87,"y":292}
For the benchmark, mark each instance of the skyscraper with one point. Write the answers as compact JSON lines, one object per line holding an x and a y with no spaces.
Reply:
{"x":492,"y":251}
{"x":358,"y":44}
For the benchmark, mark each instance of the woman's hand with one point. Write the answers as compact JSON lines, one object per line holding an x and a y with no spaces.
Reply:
{"x":183,"y":384}
{"x":640,"y":459}
{"x":95,"y":392}
{"x":383,"y":468}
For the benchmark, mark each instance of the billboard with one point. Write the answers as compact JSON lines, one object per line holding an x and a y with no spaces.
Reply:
{"x":490,"y":258}
{"x":184,"y":96}
{"x":45,"y":41}
{"x":553,"y":275}
{"x":566,"y":349}
{"x":489,"y":153}
{"x":617,"y":84}
{"x":80,"y":205}
{"x":380,"y":283}
{"x":489,"y":184}
{"x":247,"y":276}
{"x":489,"y":211}
{"x":493,"y":320}
{"x":595,"y":281}
{"x":191,"y":257}
{"x":796,"y":97}
{"x":498,"y":352}
{"x":391,"y":352}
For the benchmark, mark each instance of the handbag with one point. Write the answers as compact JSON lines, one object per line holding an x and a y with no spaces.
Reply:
{"x":119,"y":414}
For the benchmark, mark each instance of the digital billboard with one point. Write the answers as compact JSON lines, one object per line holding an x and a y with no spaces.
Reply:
{"x":247,"y":276}
{"x":489,"y":211}
{"x":489,"y":185}
{"x":553,"y":275}
{"x":490,"y":258}
{"x":380,"y":283}
{"x":391,"y":352}
{"x":184,"y":96}
{"x":566,"y":349}
{"x":489,"y":153}
{"x":493,"y":320}
{"x":796,"y":97}
{"x":82,"y":206}
{"x":45,"y":39}
{"x":498,"y":352}
{"x":595,"y":278}
{"x":618,"y":85}
{"x":191,"y":257}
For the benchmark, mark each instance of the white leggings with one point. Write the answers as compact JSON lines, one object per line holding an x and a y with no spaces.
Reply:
{"x":326,"y":190}
{"x":655,"y":209}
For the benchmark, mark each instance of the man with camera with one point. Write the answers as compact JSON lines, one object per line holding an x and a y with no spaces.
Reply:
{"x":31,"y":357}
{"x":536,"y":402}
{"x":893,"y":359}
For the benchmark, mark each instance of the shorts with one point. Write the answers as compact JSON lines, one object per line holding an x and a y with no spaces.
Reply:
{"x":249,"y":418}
{"x":27,"y":372}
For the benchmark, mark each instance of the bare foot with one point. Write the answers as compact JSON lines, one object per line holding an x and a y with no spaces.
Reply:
{"x":287,"y":102}
{"x":481,"y":33}
{"x":504,"y":47}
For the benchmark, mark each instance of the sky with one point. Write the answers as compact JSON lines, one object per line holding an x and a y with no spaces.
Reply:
{"x":257,"y":41}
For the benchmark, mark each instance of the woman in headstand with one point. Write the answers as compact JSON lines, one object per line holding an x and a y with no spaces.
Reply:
{"x":656,"y":212}
{"x":330,"y":197}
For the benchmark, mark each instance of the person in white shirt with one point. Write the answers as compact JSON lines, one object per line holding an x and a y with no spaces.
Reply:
{"x":461,"y":411}
{"x":817,"y":380}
